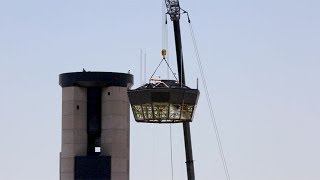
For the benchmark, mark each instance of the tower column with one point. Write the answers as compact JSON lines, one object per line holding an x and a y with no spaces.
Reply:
{"x":95,"y":126}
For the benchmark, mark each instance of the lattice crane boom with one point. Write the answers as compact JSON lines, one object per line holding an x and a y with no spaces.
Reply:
{"x":173,"y":9}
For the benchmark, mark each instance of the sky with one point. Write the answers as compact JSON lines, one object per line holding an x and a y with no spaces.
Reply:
{"x":261,"y":61}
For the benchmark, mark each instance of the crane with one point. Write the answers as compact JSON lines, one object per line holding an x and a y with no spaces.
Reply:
{"x":168,"y":101}
{"x":171,"y":101}
{"x":174,"y":11}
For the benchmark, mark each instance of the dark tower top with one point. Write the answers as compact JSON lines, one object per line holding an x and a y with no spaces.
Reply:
{"x":95,"y":79}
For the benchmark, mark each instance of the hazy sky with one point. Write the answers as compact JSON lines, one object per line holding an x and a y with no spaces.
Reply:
{"x":261,"y":60}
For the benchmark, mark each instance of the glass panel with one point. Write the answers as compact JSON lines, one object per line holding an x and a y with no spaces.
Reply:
{"x":175,"y":110}
{"x":160,"y":110}
{"x":137,"y":112}
{"x":186,"y":112}
{"x":147,"y":111}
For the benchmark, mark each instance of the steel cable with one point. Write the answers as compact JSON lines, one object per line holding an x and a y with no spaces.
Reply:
{"x":212,"y":115}
{"x":171,"y":153}
{"x":165,"y":46}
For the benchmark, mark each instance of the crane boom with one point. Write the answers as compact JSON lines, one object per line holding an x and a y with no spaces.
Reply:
{"x":174,"y":11}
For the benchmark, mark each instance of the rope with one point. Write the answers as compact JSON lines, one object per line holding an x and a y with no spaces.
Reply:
{"x":164,"y":59}
{"x":170,"y":69}
{"x":171,"y":154}
{"x":141,"y":82}
{"x":163,"y":26}
{"x":157,"y":68}
{"x":165,"y":33}
{"x":213,"y":118}
{"x":153,"y":152}
{"x":145,"y":67}
{"x":165,"y":46}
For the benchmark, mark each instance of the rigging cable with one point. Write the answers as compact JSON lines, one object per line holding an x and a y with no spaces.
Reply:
{"x":141,"y":67}
{"x":213,"y":118}
{"x":171,"y":153}
{"x":166,"y":52}
{"x":154,"y":151}
{"x":145,"y":66}
{"x":164,"y":59}
{"x":167,"y":46}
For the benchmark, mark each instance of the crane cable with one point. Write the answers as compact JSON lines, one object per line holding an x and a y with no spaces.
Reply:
{"x":171,"y":153}
{"x":165,"y":60}
{"x":213,"y":118}
{"x":165,"y":47}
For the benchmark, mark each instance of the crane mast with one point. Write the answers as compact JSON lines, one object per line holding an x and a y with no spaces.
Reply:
{"x":174,"y":11}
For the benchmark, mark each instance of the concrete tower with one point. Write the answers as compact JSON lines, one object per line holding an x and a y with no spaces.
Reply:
{"x":95,"y":126}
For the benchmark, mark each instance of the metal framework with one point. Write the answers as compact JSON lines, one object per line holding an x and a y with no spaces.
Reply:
{"x":173,"y":8}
